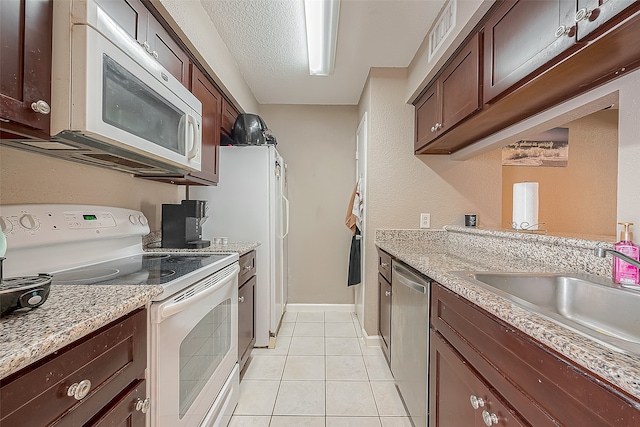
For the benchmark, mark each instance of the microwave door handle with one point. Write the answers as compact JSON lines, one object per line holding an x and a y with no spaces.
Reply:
{"x":192,"y":135}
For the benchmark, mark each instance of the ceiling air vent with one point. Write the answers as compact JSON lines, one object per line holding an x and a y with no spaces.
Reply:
{"x":443,"y":26}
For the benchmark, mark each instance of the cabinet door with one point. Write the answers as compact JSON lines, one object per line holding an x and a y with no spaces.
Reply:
{"x":454,"y":389}
{"x":229,"y":115}
{"x":25,"y":55}
{"x":131,"y":15}
{"x":246,"y":320}
{"x":384,"y":319}
{"x":168,"y":52}
{"x":211,"y":100}
{"x":427,"y":116}
{"x":520,"y":37}
{"x":594,"y":14}
{"x":123,"y":411}
{"x":460,"y":86}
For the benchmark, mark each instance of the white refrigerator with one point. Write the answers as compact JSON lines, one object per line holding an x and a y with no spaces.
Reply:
{"x":250,"y":205}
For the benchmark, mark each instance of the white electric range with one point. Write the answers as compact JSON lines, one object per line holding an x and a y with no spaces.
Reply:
{"x":193,"y":373}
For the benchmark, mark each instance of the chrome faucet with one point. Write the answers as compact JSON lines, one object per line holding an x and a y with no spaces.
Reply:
{"x":602,"y":252}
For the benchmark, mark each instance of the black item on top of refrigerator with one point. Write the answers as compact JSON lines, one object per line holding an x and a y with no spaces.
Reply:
{"x":250,"y":129}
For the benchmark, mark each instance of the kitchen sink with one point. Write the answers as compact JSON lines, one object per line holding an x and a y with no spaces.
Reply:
{"x":589,"y":305}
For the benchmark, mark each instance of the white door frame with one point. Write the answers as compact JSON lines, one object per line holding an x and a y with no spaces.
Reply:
{"x":361,"y":172}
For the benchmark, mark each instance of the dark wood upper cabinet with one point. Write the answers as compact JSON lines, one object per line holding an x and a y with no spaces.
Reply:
{"x":595,"y":16}
{"x":211,"y":100}
{"x":131,"y":15}
{"x":25,"y":73}
{"x":520,"y":37}
{"x":139,"y":23}
{"x":453,"y":97}
{"x":427,"y":116}
{"x":168,"y":53}
{"x":229,"y":115}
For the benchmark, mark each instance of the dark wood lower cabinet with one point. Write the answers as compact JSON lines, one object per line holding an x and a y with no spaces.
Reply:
{"x":458,"y":395}
{"x":246,"y":307}
{"x":384,"y":318}
{"x":535,"y":385}
{"x":110,"y":362}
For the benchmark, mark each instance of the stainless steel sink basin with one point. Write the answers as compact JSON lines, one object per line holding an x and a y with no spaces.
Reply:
{"x":589,"y":305}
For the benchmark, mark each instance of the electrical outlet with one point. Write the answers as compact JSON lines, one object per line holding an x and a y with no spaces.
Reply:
{"x":425,"y":220}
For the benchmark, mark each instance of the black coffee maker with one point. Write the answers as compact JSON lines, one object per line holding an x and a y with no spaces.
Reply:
{"x":182,"y":225}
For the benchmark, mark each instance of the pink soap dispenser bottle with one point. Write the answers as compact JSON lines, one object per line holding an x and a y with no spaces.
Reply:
{"x":623,"y":272}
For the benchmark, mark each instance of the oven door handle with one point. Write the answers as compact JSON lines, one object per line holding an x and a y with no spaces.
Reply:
{"x":172,"y":308}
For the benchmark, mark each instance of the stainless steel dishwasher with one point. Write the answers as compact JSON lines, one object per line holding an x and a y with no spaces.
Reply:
{"x":410,"y":339}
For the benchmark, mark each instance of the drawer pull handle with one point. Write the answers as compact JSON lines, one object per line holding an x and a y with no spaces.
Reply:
{"x":246,"y":267}
{"x":384,"y":265}
{"x":240,"y":299}
{"x":489,"y":419}
{"x":143,"y":405}
{"x":387,"y":293}
{"x":79,"y":390}
{"x":476,"y":402}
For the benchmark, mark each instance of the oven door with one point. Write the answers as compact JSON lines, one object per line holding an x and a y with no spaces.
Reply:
{"x":123,"y":96}
{"x":194,"y":349}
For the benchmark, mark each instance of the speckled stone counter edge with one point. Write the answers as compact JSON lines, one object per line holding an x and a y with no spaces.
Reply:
{"x":438,"y":253}
{"x":70,"y":313}
{"x":151,"y":243}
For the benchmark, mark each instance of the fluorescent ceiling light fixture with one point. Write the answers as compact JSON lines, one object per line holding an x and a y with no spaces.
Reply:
{"x":322,"y":33}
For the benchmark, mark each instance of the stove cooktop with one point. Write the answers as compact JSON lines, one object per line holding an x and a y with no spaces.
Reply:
{"x":147,"y":268}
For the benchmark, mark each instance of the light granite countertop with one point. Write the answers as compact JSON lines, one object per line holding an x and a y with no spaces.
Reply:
{"x":70,"y":313}
{"x":439,"y":253}
{"x":151,"y":243}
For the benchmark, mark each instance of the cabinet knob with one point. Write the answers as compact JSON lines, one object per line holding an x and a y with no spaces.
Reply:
{"x":143,"y":405}
{"x":79,"y":390}
{"x":145,"y":45}
{"x":246,"y":267}
{"x":433,"y":128}
{"x":563,"y":30}
{"x":476,"y":402}
{"x":489,"y":418}
{"x":154,"y":54}
{"x":240,"y":299}
{"x":583,"y":14}
{"x":387,"y":293}
{"x":384,"y":265}
{"x":41,"y":107}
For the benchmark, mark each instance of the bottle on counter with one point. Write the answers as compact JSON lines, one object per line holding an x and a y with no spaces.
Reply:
{"x":623,"y":272}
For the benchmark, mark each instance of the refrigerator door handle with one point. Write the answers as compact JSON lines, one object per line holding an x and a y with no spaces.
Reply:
{"x":286,"y":205}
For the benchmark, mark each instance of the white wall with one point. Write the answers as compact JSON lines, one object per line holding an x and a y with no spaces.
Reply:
{"x":402,"y":185}
{"x":318,"y":143}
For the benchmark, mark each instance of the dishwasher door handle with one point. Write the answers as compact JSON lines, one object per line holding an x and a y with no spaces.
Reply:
{"x":402,"y":278}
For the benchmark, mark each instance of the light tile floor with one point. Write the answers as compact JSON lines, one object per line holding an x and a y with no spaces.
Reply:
{"x":320,"y":374}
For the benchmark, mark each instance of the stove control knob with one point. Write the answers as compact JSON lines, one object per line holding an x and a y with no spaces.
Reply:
{"x":31,"y":299}
{"x":133,"y":219}
{"x":29,"y":222}
{"x":5,"y":225}
{"x":143,"y":220}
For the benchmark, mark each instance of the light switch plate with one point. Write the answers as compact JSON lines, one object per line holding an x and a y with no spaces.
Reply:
{"x":425,"y":220}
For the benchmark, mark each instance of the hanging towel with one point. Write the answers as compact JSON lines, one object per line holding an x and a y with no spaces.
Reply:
{"x":355,"y":274}
{"x":354,"y":211}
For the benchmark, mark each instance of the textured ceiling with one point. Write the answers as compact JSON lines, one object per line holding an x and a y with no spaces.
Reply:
{"x":268,"y":40}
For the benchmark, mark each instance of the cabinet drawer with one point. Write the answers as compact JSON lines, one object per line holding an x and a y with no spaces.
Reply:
{"x":384,"y":265}
{"x":123,"y":410}
{"x":111,"y":359}
{"x":247,"y":267}
{"x":544,"y":387}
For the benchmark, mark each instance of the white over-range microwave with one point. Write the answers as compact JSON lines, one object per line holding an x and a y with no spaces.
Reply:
{"x":112,"y":103}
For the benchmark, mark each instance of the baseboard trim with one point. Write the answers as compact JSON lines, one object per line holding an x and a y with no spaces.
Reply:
{"x":350,"y":308}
